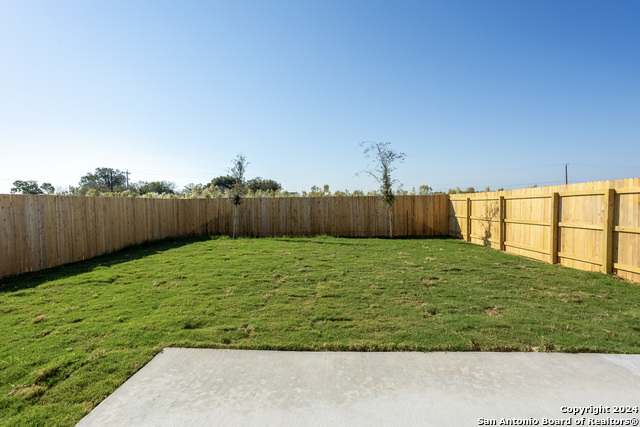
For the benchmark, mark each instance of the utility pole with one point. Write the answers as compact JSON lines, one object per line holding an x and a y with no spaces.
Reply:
{"x":127,"y":172}
{"x":566,"y":174}
{"x":111,"y":180}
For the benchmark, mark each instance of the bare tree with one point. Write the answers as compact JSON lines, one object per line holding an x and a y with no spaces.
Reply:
{"x":239,"y":189}
{"x":382,"y":161}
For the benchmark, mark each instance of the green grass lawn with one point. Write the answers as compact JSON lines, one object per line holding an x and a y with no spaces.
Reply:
{"x":71,"y":335}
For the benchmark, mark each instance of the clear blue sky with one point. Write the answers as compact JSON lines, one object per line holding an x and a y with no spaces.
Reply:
{"x":476,"y":93}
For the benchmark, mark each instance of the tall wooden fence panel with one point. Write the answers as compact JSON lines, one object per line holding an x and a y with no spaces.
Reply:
{"x":38,"y":232}
{"x":590,"y":226}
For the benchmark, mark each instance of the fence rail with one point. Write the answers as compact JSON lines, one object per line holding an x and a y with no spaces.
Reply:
{"x":590,"y":226}
{"x":38,"y":232}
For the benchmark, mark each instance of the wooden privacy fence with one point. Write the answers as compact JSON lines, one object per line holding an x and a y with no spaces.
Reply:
{"x":591,"y":226}
{"x":38,"y":232}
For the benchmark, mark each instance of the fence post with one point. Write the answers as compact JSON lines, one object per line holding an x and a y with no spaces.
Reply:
{"x":501,"y":230}
{"x":468,"y":219}
{"x":607,"y":231}
{"x":553,"y":232}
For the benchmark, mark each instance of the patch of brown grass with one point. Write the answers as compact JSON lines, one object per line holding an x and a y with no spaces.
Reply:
{"x":38,"y":319}
{"x":28,"y":392}
{"x":492,"y":311}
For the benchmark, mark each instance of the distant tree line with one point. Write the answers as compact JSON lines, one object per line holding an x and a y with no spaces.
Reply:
{"x":109,"y":182}
{"x":101,"y":183}
{"x":113,"y":182}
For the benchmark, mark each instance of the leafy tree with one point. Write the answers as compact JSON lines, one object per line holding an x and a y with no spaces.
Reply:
{"x":189,"y":187}
{"x":425,"y":190}
{"x":47,"y":188}
{"x":104,"y":180}
{"x":383,"y":159}
{"x":159,"y":187}
{"x":225,"y":182}
{"x":258,"y":183}
{"x":31,"y":187}
{"x":239,"y":188}
{"x":315,"y":191}
{"x":318,"y":192}
{"x":457,"y":190}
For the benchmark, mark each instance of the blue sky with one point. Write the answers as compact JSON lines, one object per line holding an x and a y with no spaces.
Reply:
{"x":476,"y":93}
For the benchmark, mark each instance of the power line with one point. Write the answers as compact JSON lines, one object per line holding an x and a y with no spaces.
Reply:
{"x":607,"y":166}
{"x":174,"y":173}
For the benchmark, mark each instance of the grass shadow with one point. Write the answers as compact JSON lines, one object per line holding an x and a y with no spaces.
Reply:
{"x":33,"y":279}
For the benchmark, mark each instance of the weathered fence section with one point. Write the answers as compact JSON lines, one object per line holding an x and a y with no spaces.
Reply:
{"x":38,"y":232}
{"x":591,"y":226}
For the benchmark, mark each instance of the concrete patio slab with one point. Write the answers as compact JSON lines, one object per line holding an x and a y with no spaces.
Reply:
{"x":198,"y":387}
